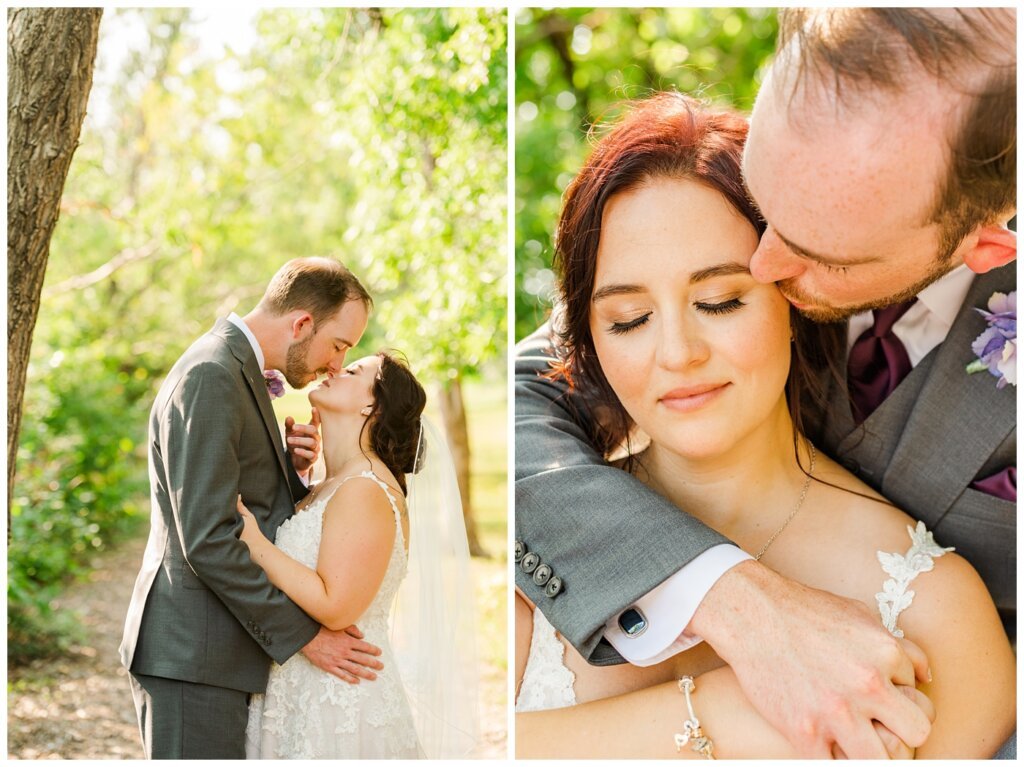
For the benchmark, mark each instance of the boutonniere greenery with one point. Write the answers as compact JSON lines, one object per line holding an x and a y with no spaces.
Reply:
{"x":997,"y":346}
{"x":275,"y":383}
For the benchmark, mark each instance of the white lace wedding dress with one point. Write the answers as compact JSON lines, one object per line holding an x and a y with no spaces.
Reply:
{"x":548,"y":683}
{"x":307,"y":713}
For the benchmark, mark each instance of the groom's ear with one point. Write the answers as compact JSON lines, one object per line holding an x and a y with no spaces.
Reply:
{"x":301,"y":321}
{"x":996,"y":246}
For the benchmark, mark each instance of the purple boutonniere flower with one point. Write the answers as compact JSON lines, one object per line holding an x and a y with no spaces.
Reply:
{"x":275,"y":383}
{"x":997,"y":346}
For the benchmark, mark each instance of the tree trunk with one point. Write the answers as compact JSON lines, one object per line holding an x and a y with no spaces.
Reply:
{"x":454,"y":414}
{"x":50,"y":56}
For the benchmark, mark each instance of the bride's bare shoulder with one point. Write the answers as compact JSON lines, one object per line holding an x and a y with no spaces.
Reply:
{"x":859,"y":513}
{"x":862,"y":525}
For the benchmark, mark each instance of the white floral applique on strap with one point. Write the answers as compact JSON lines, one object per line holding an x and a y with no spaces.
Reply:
{"x":895,"y":597}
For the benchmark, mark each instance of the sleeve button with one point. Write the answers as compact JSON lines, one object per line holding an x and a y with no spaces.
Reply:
{"x":553,"y":588}
{"x":520,"y":551}
{"x":542,"y":574}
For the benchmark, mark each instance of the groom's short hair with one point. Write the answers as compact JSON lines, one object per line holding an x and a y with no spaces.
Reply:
{"x":316,"y":285}
{"x":973,"y":50}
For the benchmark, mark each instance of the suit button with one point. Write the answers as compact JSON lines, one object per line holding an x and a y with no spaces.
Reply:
{"x":542,"y":575}
{"x":554,"y":587}
{"x":266,"y":641}
{"x":530,"y":562}
{"x":520,"y":551}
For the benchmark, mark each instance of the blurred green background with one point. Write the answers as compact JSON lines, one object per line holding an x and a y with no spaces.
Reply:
{"x":574,"y":67}
{"x":219,"y":144}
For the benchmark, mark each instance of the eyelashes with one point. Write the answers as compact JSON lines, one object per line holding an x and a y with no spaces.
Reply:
{"x":834,"y":269}
{"x":726,"y":307}
{"x":621,"y":328}
{"x":714,"y":310}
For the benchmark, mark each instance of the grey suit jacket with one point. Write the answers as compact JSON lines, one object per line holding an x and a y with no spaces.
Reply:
{"x":201,"y":611}
{"x":940,"y":430}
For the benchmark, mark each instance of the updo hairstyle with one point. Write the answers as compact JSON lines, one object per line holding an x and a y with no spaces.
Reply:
{"x":394,"y":421}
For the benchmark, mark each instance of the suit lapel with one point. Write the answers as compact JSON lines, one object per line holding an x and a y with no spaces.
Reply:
{"x":243,"y":352}
{"x":965,"y":414}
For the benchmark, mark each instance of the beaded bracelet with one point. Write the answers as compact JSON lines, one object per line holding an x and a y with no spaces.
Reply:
{"x":692,"y":731}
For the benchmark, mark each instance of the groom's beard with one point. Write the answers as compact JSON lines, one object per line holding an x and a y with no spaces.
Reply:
{"x":819,"y":311}
{"x":296,"y":369}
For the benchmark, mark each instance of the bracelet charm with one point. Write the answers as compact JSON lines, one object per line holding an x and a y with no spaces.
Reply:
{"x":692,"y":732}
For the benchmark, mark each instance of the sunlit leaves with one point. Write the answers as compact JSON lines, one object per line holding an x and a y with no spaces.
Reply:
{"x":574,"y":66}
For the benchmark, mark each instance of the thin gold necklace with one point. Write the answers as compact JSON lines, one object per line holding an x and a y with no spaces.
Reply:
{"x":799,"y":503}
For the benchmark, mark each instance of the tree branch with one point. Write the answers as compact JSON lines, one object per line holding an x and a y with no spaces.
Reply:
{"x":125,"y":257}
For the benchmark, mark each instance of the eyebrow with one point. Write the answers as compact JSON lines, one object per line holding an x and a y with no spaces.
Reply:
{"x":343,"y":342}
{"x":804,"y":253}
{"x":719,"y":270}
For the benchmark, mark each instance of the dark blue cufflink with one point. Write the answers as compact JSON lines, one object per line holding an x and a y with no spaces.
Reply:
{"x":633,"y":622}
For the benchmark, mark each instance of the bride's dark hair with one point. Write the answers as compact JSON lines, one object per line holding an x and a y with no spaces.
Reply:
{"x":668,"y":135}
{"x":394,"y":421}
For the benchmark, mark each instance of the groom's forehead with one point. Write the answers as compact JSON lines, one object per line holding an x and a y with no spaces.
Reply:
{"x":835,"y":157}
{"x":349,"y":319}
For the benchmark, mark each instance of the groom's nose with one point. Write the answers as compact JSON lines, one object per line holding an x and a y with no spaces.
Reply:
{"x":773,"y":261}
{"x":335,"y":364}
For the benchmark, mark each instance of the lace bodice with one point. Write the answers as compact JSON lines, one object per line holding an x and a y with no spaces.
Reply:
{"x":307,"y":713}
{"x":548,"y":682}
{"x":299,"y":538}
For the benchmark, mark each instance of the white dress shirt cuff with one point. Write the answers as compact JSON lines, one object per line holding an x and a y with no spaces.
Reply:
{"x":668,"y":608}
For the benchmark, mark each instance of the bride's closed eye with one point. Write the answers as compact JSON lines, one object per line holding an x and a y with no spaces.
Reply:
{"x":723,"y":307}
{"x":620,"y":328}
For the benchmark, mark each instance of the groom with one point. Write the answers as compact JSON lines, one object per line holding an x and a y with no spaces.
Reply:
{"x":204,"y":623}
{"x":882,"y":154}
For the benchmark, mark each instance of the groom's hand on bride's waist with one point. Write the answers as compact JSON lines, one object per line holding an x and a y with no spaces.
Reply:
{"x":344,"y":654}
{"x":820,"y":668}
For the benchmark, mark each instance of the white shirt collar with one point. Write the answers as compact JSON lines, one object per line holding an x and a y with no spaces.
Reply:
{"x":946,"y":295}
{"x":239,"y":323}
{"x":927,"y":323}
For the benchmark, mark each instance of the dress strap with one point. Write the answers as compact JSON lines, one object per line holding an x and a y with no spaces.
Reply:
{"x":895,"y":597}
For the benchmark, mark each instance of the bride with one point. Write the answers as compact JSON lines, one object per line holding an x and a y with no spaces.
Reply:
{"x":697,"y":373}
{"x":342,"y":558}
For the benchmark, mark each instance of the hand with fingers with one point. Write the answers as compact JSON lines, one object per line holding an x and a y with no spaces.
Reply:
{"x":820,"y":668}
{"x":894,"y":747}
{"x":303,"y":441}
{"x":345,"y":654}
{"x":251,"y":534}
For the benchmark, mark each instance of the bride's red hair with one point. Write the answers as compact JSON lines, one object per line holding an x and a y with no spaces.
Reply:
{"x":668,"y":135}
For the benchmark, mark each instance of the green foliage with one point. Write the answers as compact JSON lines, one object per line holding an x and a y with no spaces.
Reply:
{"x":377,"y":137}
{"x":575,"y":66}
{"x":81,"y":479}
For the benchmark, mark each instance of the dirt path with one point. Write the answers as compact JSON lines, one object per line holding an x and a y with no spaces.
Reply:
{"x":80,"y":707}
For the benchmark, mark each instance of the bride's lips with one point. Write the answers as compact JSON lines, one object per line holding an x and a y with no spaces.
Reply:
{"x":688,"y":398}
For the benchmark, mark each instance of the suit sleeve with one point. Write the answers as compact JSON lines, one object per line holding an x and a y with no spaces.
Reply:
{"x":607,"y":537}
{"x":201,"y":436}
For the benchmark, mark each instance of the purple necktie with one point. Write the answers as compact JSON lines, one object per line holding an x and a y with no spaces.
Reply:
{"x":878,"y":362}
